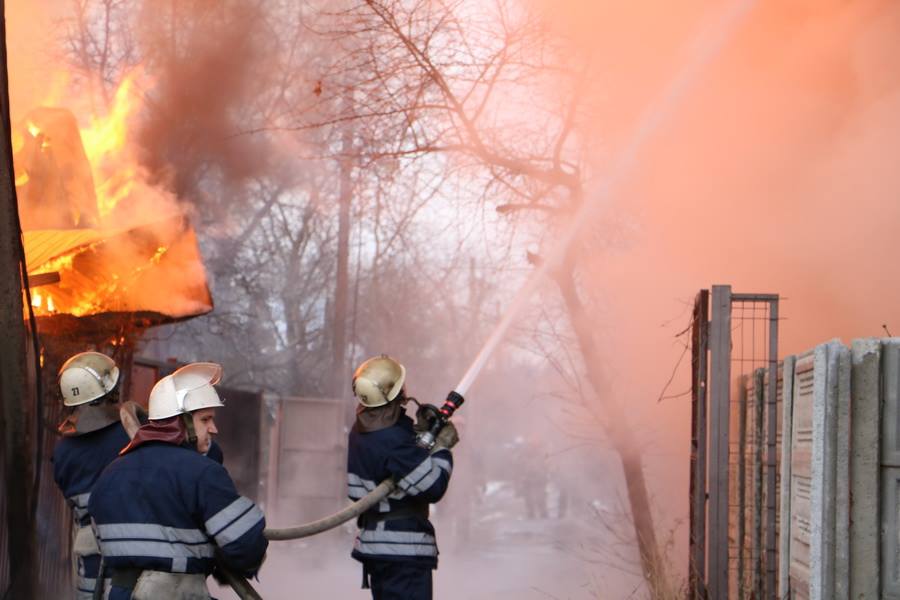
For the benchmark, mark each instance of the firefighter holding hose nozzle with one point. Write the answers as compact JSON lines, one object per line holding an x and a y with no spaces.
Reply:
{"x":396,"y":542}
{"x":92,"y":436}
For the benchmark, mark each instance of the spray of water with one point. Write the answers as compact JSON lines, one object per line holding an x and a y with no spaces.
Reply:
{"x":701,"y":52}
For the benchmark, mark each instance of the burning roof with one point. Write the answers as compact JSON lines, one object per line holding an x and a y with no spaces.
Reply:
{"x":151,"y":268}
{"x":98,"y":239}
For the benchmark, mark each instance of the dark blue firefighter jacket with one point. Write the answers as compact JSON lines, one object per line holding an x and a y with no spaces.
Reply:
{"x":421,"y":479}
{"x":78,"y":462}
{"x":164,"y":507}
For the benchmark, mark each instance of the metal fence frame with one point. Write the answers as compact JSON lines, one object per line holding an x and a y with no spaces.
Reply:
{"x":710,"y":478}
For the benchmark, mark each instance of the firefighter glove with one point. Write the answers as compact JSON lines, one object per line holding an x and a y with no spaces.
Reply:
{"x":448,"y":437}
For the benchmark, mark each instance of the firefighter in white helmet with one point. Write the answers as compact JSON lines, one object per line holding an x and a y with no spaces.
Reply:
{"x":396,"y":542}
{"x":92,"y":436}
{"x":165,"y":513}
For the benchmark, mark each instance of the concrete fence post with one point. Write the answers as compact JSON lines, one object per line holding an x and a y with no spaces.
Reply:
{"x":787,"y":414}
{"x":865,"y":448}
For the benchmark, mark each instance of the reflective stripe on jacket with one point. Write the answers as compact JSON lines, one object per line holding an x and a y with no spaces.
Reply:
{"x":77,"y":464}
{"x":421,"y":479}
{"x":168,"y":508}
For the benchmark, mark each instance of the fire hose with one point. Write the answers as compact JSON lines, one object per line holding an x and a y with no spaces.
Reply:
{"x":436,"y":418}
{"x":242,"y":587}
{"x":324,"y":524}
{"x":705,"y":48}
{"x":703,"y":51}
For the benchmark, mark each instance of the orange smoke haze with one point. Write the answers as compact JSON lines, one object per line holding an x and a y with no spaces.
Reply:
{"x":777,"y":175}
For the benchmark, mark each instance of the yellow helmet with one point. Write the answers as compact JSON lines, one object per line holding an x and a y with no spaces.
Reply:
{"x":86,"y":377}
{"x":378,"y":381}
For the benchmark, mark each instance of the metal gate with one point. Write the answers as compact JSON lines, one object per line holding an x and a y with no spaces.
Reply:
{"x":306,"y":475}
{"x":734,"y":445}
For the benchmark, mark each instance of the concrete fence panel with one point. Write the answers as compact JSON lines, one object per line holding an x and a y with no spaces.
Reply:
{"x":786,"y":389}
{"x":819,"y":474}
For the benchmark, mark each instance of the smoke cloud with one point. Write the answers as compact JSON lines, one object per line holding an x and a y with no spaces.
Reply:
{"x":775,"y":176}
{"x":213,"y":66}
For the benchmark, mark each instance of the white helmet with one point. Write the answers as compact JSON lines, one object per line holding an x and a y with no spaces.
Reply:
{"x":188,"y":389}
{"x":86,"y":377}
{"x":378,"y":381}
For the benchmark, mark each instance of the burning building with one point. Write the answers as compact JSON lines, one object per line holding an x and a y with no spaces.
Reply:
{"x":100,"y":248}
{"x":108,"y":255}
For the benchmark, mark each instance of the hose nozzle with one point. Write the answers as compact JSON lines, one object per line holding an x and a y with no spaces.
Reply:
{"x":438,"y":417}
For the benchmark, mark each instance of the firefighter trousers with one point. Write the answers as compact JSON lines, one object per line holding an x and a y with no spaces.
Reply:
{"x":397,"y":580}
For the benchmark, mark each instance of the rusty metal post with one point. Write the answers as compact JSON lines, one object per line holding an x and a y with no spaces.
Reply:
{"x":697,"y":537}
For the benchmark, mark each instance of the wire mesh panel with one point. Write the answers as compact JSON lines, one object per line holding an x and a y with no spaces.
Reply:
{"x":741,"y":549}
{"x":750,"y":357}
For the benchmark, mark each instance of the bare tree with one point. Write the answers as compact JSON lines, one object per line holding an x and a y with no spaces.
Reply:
{"x":458,"y":86}
{"x":305,"y":233}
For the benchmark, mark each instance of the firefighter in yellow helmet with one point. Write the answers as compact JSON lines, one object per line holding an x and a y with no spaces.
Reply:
{"x":92,"y":436}
{"x":396,"y":542}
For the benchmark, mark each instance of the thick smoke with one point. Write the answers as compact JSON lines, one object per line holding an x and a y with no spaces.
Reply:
{"x":213,"y":70}
{"x":775,"y":176}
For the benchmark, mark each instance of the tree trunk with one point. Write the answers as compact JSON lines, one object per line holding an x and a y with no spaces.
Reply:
{"x":341,"y":287}
{"x":16,"y":418}
{"x":620,"y":435}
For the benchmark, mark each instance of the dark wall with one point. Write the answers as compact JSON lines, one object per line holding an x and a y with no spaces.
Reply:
{"x":238,"y":425}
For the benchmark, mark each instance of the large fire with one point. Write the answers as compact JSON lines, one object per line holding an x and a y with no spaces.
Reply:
{"x":114,"y":170}
{"x":109,"y":241}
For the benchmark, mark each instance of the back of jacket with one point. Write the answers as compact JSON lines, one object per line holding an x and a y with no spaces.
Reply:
{"x":79,"y":460}
{"x":164,"y":507}
{"x":398,"y":528}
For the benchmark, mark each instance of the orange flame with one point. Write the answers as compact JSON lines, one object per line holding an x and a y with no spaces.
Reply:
{"x":42,"y":302}
{"x":102,"y":297}
{"x":105,"y":144}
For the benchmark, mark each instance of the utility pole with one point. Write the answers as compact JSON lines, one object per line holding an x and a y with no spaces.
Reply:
{"x":342,"y":279}
{"x":16,"y":421}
